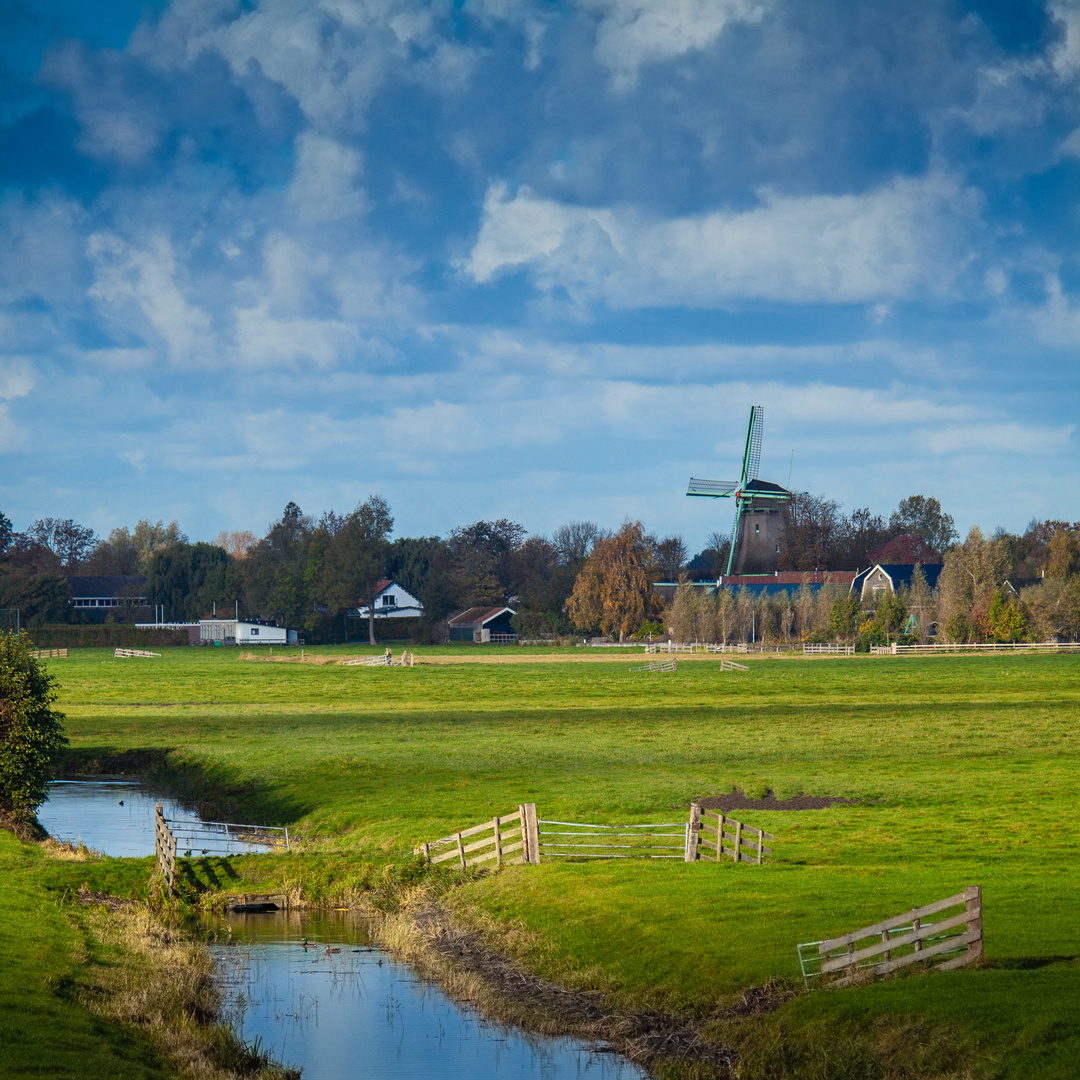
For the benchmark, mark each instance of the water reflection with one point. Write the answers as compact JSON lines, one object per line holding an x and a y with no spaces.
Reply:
{"x":115,"y":817}
{"x":352,"y":1012}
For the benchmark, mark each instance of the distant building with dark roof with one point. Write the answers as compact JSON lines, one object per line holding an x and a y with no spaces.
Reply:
{"x":118,"y":590}
{"x":481,"y":624}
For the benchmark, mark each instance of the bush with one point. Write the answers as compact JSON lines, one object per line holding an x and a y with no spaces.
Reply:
{"x":30,"y":730}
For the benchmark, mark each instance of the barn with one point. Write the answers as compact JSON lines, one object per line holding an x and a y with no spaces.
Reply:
{"x":481,"y":624}
{"x":888,"y":577}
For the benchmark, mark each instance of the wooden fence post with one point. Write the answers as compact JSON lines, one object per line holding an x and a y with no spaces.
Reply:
{"x":532,"y":826}
{"x":460,"y":850}
{"x":498,"y":841}
{"x":720,"y":836}
{"x":973,"y":898}
{"x":693,"y":833}
{"x":738,"y":841}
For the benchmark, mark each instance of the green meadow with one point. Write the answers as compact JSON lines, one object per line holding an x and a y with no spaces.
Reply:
{"x":967,"y":771}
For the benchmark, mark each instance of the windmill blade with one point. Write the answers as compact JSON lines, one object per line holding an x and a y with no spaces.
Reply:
{"x":717,"y":488}
{"x":752,"y":454}
{"x":734,"y":540}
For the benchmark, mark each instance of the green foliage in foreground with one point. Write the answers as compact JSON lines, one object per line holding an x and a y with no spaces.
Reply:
{"x":31,"y":730}
{"x":967,"y":767}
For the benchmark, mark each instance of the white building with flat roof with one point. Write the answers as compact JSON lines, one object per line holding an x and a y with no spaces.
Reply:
{"x":244,"y":632}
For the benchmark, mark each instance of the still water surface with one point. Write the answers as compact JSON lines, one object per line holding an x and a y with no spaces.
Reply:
{"x":115,"y":817}
{"x":352,"y":1014}
{"x":355,"y":1013}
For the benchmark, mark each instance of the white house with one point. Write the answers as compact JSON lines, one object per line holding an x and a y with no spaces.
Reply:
{"x":244,"y":632}
{"x":392,"y":602}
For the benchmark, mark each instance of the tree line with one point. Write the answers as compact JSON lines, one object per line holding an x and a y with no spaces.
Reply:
{"x":309,"y":573}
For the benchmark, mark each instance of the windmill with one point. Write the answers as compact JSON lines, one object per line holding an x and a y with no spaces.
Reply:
{"x":758,"y":503}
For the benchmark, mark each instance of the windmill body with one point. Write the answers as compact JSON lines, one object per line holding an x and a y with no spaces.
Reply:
{"x":759,"y":507}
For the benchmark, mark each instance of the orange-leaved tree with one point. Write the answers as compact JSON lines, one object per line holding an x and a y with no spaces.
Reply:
{"x":613,"y":590}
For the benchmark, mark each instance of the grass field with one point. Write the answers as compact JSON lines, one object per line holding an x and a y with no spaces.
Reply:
{"x":968,"y":768}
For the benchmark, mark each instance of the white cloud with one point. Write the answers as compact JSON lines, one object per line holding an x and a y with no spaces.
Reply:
{"x":16,"y":378}
{"x":907,"y":238}
{"x":331,"y":56}
{"x":632,"y":33}
{"x":265,"y":341}
{"x":324,"y":183}
{"x":144,"y":278}
{"x":1057,"y":322}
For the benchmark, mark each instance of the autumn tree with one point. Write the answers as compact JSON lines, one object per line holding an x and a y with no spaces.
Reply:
{"x":972,"y":570}
{"x":922,"y":515}
{"x":613,"y":590}
{"x":810,"y":534}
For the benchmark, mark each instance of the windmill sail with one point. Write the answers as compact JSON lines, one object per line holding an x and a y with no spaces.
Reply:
{"x":753,"y":496}
{"x":752,"y":456}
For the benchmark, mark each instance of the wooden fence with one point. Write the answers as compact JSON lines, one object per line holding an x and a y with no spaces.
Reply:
{"x":164,"y":848}
{"x":952,"y":942}
{"x":658,"y":665}
{"x":124,"y":654}
{"x":511,"y":838}
{"x":49,"y":654}
{"x":1020,"y":646}
{"x":713,"y":835}
{"x":222,"y":838}
{"x":695,"y":646}
{"x":577,"y":840}
{"x":527,"y":838}
{"x":406,"y":659}
{"x":818,"y":649}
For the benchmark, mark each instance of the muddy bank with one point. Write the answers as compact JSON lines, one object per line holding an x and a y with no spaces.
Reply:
{"x":469,"y":970}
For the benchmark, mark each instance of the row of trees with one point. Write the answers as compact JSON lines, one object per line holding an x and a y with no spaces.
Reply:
{"x":974,"y":600}
{"x":307,"y":573}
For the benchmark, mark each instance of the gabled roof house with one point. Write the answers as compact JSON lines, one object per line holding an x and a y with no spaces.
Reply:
{"x":391,"y":602}
{"x":481,"y":624}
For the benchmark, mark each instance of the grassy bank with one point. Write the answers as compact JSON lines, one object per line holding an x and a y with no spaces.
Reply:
{"x":967,"y":768}
{"x":91,"y":989}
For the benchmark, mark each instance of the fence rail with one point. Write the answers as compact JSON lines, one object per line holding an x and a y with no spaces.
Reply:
{"x":49,"y":654}
{"x":829,"y":650}
{"x":1008,"y":646}
{"x":208,"y":838}
{"x":951,"y":942}
{"x":694,"y":646}
{"x":124,"y":654}
{"x":731,"y":665}
{"x":658,"y":665}
{"x":406,"y":659}
{"x":509,"y":839}
{"x":524,"y":837}
{"x":714,"y":836}
{"x":577,"y":840}
{"x":164,"y":848}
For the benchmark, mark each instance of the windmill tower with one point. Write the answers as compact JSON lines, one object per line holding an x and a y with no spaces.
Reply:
{"x":759,"y":507}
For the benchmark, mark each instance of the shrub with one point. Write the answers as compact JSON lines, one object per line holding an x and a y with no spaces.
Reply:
{"x":30,"y":729}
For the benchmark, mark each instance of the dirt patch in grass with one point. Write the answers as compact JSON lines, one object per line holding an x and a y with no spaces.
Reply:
{"x":736,"y":800}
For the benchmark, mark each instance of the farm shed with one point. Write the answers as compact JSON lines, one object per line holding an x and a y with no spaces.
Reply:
{"x":888,"y":577}
{"x":244,"y":632}
{"x":483,"y":624}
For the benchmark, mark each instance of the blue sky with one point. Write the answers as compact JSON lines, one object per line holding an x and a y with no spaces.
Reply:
{"x":505,"y":258}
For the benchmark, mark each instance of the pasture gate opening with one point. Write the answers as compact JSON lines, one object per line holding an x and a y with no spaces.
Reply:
{"x":952,"y":942}
{"x":525,"y":837}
